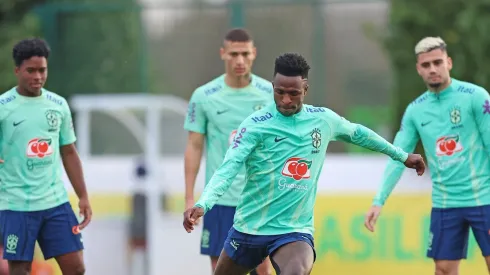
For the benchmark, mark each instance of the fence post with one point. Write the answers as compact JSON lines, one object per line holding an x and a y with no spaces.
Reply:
{"x":236,"y":11}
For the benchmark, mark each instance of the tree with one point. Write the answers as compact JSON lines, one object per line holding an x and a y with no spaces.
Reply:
{"x":464,"y":25}
{"x":16,"y":23}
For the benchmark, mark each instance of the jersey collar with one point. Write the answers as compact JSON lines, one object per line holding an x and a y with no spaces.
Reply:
{"x":446,"y":92}
{"x":288,"y":118}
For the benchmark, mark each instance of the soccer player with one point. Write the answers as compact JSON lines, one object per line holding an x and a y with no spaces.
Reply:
{"x":452,"y":118}
{"x":36,"y":134}
{"x":283,"y":148}
{"x":216,"y":109}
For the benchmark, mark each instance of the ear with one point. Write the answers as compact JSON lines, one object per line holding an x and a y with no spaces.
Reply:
{"x":222,"y":53}
{"x":449,"y":63}
{"x":16,"y":70}
{"x":306,"y":88}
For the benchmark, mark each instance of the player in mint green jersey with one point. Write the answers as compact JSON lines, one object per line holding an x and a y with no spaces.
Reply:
{"x":452,"y":119}
{"x":283,"y":148}
{"x":216,"y":109}
{"x":36,"y":135}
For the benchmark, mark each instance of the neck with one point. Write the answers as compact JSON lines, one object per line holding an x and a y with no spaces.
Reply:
{"x":237,"y":81}
{"x":440,"y":88}
{"x":25,"y":92}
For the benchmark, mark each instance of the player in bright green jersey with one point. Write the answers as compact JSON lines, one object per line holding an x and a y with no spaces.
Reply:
{"x":216,"y":109}
{"x":283,"y":148}
{"x":452,"y":119}
{"x":36,"y":135}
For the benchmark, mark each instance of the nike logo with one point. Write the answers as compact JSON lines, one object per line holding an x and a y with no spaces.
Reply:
{"x":221,"y":112}
{"x":17,"y":123}
{"x":277,"y":139}
{"x":425,"y":123}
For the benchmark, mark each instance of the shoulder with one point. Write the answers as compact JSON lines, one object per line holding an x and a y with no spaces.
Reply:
{"x":260,"y":117}
{"x":8,"y":97}
{"x":262,"y":84}
{"x":209,"y":89}
{"x":55,"y":98}
{"x":468,"y":88}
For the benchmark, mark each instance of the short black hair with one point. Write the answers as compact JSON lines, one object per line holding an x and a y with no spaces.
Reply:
{"x":292,"y":64}
{"x":27,"y":48}
{"x":238,"y":35}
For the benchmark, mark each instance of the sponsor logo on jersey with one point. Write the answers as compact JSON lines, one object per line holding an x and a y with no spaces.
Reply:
{"x":237,"y":138}
{"x":486,"y":107}
{"x":315,"y":110}
{"x":448,"y":145}
{"x":191,"y":112}
{"x":232,"y":137}
{"x":4,"y":101}
{"x":39,"y":148}
{"x":297,"y":168}
{"x":262,"y":118}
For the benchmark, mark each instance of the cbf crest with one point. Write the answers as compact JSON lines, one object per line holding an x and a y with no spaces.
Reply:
{"x":53,"y":118}
{"x":455,"y":115}
{"x":316,"y":140}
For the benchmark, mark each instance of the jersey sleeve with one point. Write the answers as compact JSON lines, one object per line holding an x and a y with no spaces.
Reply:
{"x":196,"y":120}
{"x":481,"y":112}
{"x":406,"y":138}
{"x":362,"y":136}
{"x":67,"y":132}
{"x":244,"y":143}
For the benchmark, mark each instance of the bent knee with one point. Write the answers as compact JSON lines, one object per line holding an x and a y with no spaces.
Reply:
{"x":297,"y":269}
{"x":447,"y":267}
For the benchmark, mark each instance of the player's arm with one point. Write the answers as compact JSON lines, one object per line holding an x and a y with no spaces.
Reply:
{"x":481,"y":112}
{"x":362,"y":136}
{"x":195,"y":123}
{"x":73,"y":165}
{"x":244,"y":143}
{"x":406,"y":138}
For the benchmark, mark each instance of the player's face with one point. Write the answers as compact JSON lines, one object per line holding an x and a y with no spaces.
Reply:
{"x":434,"y":67}
{"x":289,"y":93}
{"x":32,"y":74}
{"x":238,"y":57}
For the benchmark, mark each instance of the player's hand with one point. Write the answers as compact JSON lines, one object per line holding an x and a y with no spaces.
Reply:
{"x":189,"y":203}
{"x":1,"y":161}
{"x":415,"y":161}
{"x":85,"y":212}
{"x":191,"y":218}
{"x":371,"y":217}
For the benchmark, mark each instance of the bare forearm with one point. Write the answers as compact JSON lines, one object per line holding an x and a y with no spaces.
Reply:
{"x":73,"y":168}
{"x":192,"y":162}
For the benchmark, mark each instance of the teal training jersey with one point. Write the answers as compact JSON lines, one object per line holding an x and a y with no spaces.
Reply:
{"x":31,"y":131}
{"x":283,"y":158}
{"x":216,"y":110}
{"x":454,"y":126}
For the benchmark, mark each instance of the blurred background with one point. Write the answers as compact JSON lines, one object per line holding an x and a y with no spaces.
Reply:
{"x":129,"y":67}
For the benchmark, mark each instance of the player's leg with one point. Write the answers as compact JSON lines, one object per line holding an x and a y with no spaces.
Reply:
{"x":265,"y":268}
{"x":479,"y":219}
{"x":293,"y":254}
{"x":19,"y":231}
{"x":448,"y":240}
{"x":217,"y":222}
{"x":60,"y":238}
{"x":241,"y":253}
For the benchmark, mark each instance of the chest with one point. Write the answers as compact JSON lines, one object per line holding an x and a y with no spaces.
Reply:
{"x":28,"y":121}
{"x":227,"y":112}
{"x":300,"y":138}
{"x":444,"y":120}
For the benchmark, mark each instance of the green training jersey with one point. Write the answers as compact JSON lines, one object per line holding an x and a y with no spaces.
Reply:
{"x":31,"y":131}
{"x":454,"y":126}
{"x":284,"y":157}
{"x":216,"y":110}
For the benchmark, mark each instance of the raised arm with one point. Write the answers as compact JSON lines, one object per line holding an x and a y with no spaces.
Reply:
{"x":244,"y":143}
{"x":362,"y":136}
{"x":406,"y":138}
{"x":481,"y":112}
